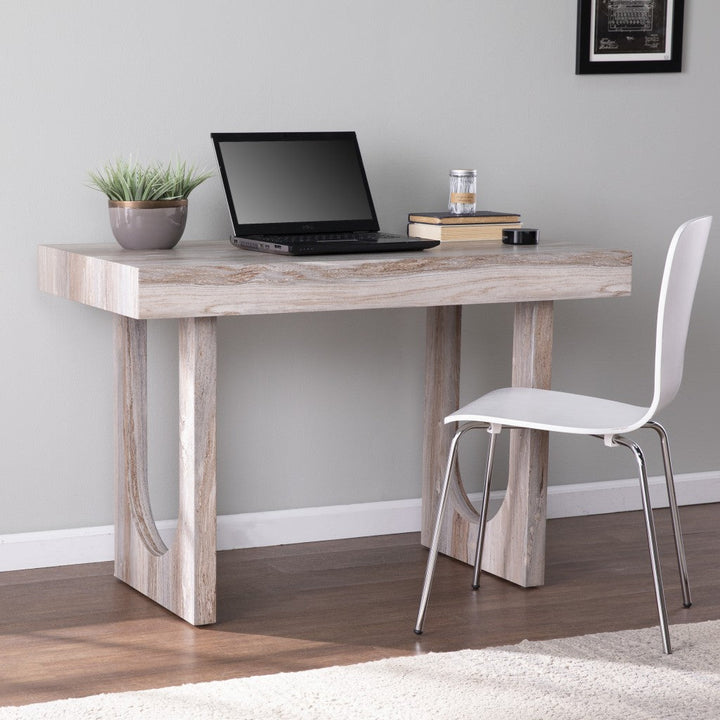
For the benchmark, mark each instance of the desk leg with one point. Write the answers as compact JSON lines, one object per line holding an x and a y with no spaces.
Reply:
{"x":442,"y":396}
{"x":181,"y":578}
{"x":515,"y":538}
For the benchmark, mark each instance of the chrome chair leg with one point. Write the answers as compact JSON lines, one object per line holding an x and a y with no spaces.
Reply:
{"x":674,"y":513}
{"x":484,"y":506}
{"x":432,"y":557}
{"x":652,"y":540}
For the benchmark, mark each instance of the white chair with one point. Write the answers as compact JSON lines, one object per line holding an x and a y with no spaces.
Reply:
{"x":517,"y":407}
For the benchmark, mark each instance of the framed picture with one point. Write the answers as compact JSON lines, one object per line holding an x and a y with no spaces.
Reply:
{"x":628,"y":36}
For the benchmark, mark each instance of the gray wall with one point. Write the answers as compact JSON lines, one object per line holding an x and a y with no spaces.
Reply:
{"x":428,"y":85}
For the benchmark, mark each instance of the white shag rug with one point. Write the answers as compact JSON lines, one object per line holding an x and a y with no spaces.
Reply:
{"x":611,"y":675}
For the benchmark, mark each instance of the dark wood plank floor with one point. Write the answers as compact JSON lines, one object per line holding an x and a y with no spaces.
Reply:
{"x":76,"y":631}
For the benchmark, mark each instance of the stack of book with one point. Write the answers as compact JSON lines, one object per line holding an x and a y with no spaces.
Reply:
{"x":443,"y":226}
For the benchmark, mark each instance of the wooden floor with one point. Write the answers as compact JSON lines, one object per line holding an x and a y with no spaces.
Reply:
{"x":77,"y":631}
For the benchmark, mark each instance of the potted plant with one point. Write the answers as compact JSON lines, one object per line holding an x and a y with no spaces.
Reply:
{"x":147,"y":203}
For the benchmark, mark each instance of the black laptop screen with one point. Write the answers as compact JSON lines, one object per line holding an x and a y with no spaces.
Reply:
{"x":294,"y":182}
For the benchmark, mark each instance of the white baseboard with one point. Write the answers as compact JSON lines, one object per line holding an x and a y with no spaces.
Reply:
{"x":21,"y":551}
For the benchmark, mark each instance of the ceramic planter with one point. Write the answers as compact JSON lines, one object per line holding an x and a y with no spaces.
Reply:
{"x":148,"y":225}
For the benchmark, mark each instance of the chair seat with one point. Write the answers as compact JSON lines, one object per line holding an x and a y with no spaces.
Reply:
{"x":553,"y":411}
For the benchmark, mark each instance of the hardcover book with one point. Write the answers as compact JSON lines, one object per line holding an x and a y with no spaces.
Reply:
{"x":486,"y":231}
{"x":476,"y":218}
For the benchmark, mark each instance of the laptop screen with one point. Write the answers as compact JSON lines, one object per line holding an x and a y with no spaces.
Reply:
{"x":294,"y":183}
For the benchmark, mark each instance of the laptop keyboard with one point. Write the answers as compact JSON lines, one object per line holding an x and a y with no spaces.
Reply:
{"x":325,"y":237}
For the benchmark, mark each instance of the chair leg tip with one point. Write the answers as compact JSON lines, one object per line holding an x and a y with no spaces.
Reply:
{"x":418,"y":632}
{"x":475,"y":587}
{"x":687,"y":605}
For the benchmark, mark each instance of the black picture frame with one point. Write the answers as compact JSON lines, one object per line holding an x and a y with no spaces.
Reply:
{"x":629,"y":36}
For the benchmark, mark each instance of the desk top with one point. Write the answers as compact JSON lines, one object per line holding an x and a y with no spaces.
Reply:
{"x":213,"y":278}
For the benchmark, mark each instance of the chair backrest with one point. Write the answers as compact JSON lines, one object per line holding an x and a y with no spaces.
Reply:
{"x":677,"y":292}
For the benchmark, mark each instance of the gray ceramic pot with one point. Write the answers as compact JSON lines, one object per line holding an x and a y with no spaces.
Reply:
{"x":148,"y":225}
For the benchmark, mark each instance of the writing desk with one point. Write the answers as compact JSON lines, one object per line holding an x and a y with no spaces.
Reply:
{"x":197,"y":282}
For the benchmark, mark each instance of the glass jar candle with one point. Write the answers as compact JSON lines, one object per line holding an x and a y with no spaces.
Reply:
{"x":463,"y":186}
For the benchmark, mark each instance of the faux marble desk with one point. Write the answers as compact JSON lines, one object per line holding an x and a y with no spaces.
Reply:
{"x":197,"y":282}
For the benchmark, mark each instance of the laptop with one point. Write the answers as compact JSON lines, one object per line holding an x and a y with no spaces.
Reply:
{"x":301,"y":194}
